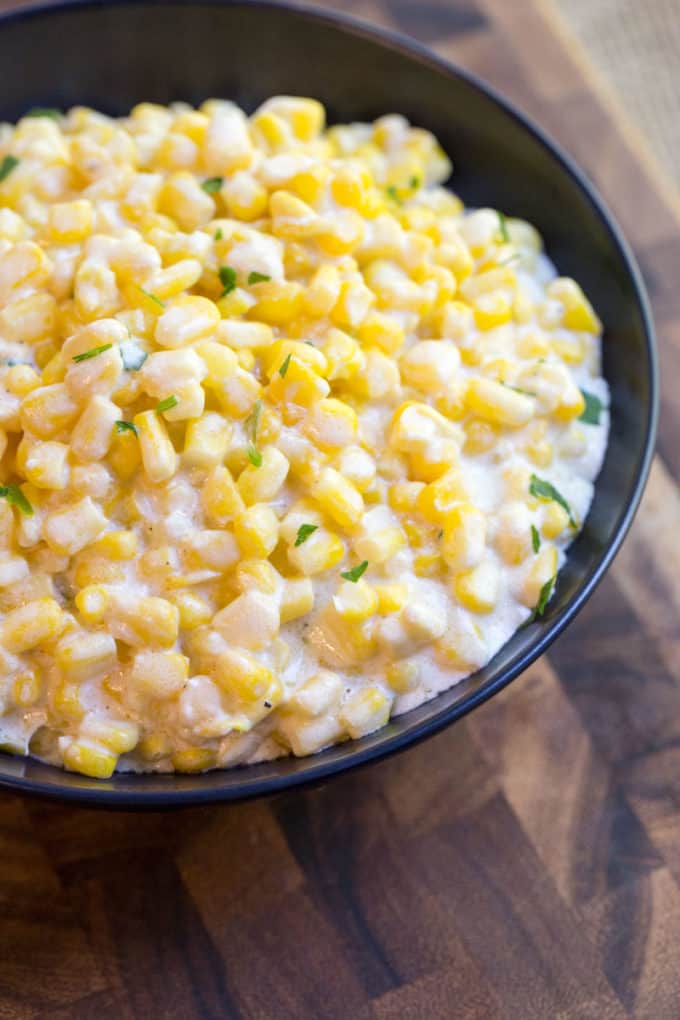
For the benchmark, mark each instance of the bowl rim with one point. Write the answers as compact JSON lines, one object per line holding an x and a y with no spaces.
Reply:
{"x":318,"y":767}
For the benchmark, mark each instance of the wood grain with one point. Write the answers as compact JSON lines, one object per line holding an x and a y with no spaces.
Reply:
{"x":523,"y":865}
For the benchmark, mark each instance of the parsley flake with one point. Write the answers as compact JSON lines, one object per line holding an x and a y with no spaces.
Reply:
{"x":284,"y":366}
{"x":8,"y":164}
{"x":126,"y":426}
{"x":14,"y":496}
{"x":535,"y":538}
{"x":355,"y":573}
{"x":304,"y":531}
{"x":212,"y":185}
{"x":92,"y":353}
{"x":256,"y":277}
{"x":251,"y":425}
{"x":219,"y":234}
{"x":254,"y":456}
{"x":592,"y":410}
{"x":227,"y":277}
{"x":544,"y":597}
{"x":394,"y":194}
{"x":44,"y":111}
{"x":541,"y":489}
{"x":503,"y":228}
{"x":152,"y":297}
{"x":414,"y":183}
{"x":167,"y":404}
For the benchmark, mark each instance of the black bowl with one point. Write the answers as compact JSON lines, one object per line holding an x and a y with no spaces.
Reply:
{"x":114,"y":55}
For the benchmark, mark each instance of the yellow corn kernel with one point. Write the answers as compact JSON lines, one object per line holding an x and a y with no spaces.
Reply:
{"x":338,"y":498}
{"x":538,"y":449}
{"x":318,"y":694}
{"x":402,"y":496}
{"x":300,"y":385}
{"x":277,"y":304}
{"x":69,"y":222}
{"x":427,"y":564}
{"x":159,"y":675}
{"x":117,"y":735}
{"x":154,"y":746}
{"x":69,"y":530}
{"x":194,"y":759}
{"x":379,"y":546}
{"x":572,"y":403}
{"x":391,"y":598}
{"x":188,"y":319}
{"x":185,"y":201}
{"x":206,"y":441}
{"x":480,"y":436}
{"x":220,"y":496}
{"x":355,"y":601}
{"x":343,"y":354}
{"x":26,"y":688}
{"x":555,"y":520}
{"x":155,"y":621}
{"x":194,"y":611}
{"x":572,"y":350}
{"x":435,"y":501}
{"x":277,"y":353}
{"x":492,"y":310}
{"x":31,"y":625}
{"x":44,"y":464}
{"x":513,"y":535}
{"x":82,"y":656}
{"x":124,"y":456}
{"x":297,"y":599}
{"x":403,"y":676}
{"x":578,"y":313}
{"x":541,"y":573}
{"x":261,"y":484}
{"x":90,"y":760}
{"x":245,"y":198}
{"x":241,"y":675}
{"x":322,"y":551}
{"x":251,"y":620}
{"x":257,"y":531}
{"x":416,"y":427}
{"x":157,"y":452}
{"x":48,"y":410}
{"x":92,"y":602}
{"x":331,"y":424}
{"x":239,"y":393}
{"x":380,"y":330}
{"x":117,"y":545}
{"x":464,"y":536}
{"x":365,"y":711}
{"x":21,"y":264}
{"x":477,"y":589}
{"x":21,"y":380}
{"x":322,"y":291}
{"x":498,"y":404}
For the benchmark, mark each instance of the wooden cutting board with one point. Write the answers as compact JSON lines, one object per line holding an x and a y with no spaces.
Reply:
{"x":523,"y":865}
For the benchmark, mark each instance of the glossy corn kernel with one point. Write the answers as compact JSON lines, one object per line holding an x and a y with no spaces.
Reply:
{"x":365,"y":711}
{"x":90,"y":759}
{"x":477,"y":589}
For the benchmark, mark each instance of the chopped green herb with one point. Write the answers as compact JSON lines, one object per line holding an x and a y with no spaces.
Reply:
{"x":92,"y":353}
{"x":544,"y":597}
{"x":535,"y":538}
{"x":394,"y":194}
{"x":592,"y":410}
{"x":518,"y":389}
{"x":167,"y":404}
{"x":414,"y":183}
{"x":256,"y":277}
{"x":304,"y":531}
{"x":251,"y":425}
{"x":212,"y":184}
{"x":133,"y":356}
{"x":44,"y":111}
{"x":544,"y":490}
{"x":227,"y":277}
{"x":254,"y":456}
{"x":14,"y":495}
{"x":355,"y":573}
{"x":284,"y":366}
{"x":503,"y":228}
{"x":126,"y":426}
{"x":219,"y":234}
{"x":152,"y":297}
{"x":8,"y":164}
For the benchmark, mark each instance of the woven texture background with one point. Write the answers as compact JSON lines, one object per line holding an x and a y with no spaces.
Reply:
{"x":635,"y":45}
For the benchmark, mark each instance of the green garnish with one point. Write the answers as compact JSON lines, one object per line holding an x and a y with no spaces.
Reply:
{"x":414,"y":183}
{"x":355,"y":573}
{"x":304,"y":531}
{"x":92,"y":353}
{"x":126,"y":426}
{"x":14,"y":495}
{"x":544,"y":490}
{"x":152,"y":297}
{"x":256,"y":277}
{"x":227,"y":277}
{"x":503,"y":228}
{"x":44,"y":111}
{"x":394,"y":194}
{"x":212,"y":184}
{"x":592,"y":410}
{"x":133,"y":357}
{"x":284,"y":366}
{"x":535,"y":538}
{"x":167,"y":404}
{"x":518,"y":389}
{"x":218,"y":234}
{"x":544,"y":597}
{"x":251,"y":425}
{"x":8,"y":164}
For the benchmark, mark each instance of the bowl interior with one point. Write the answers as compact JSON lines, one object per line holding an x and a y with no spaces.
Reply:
{"x":112,"y":56}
